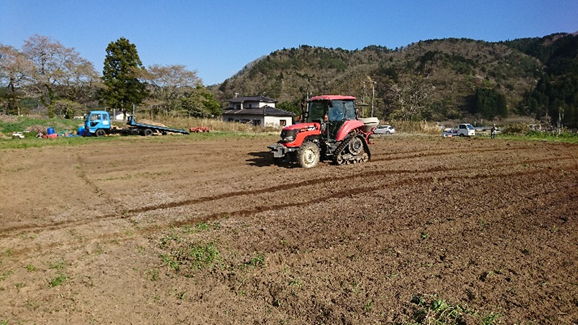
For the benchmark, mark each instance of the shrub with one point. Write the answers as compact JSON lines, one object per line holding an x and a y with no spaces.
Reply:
{"x":517,"y":129}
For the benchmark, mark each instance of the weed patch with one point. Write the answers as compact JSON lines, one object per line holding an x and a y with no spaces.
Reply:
{"x":428,"y":310}
{"x":5,"y":275}
{"x":59,"y":280}
{"x":187,"y":258}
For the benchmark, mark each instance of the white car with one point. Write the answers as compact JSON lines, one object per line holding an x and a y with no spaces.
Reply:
{"x":384,"y":129}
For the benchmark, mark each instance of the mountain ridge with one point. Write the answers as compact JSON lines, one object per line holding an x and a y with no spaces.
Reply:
{"x":431,"y":79}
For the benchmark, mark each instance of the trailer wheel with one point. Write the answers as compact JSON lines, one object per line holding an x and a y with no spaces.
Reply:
{"x":147,"y":132}
{"x":100,"y":133}
{"x":308,"y":155}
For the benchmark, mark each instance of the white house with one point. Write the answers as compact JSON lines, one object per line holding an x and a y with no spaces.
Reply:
{"x":257,"y":110}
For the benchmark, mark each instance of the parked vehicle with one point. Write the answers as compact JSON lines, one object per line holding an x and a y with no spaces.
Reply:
{"x":330,"y":129}
{"x":384,"y":129}
{"x":463,"y":130}
{"x":98,"y":123}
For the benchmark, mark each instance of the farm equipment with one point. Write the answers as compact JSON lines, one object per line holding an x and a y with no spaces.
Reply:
{"x":98,"y":123}
{"x":329,"y":129}
{"x":200,"y":129}
{"x":17,"y":135}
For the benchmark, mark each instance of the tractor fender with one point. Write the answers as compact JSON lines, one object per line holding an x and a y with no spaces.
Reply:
{"x":347,"y":128}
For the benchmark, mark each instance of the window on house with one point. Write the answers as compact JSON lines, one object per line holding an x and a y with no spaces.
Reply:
{"x":230,"y":119}
{"x":283,"y":122}
{"x":256,"y":122}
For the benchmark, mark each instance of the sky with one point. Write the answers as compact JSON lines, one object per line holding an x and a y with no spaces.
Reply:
{"x":217,"y":38}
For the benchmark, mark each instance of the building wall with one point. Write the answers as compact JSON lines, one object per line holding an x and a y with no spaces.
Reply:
{"x":278,"y":120}
{"x":250,"y":104}
{"x":259,"y":120}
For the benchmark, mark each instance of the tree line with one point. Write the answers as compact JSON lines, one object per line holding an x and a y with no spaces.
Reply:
{"x":47,"y":74}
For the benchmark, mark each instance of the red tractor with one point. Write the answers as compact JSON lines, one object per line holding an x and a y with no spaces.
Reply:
{"x":329,"y":129}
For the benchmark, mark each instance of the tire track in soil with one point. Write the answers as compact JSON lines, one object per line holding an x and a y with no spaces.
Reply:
{"x":448,"y":153}
{"x":121,"y":238}
{"x":354,"y":191}
{"x":243,"y":213}
{"x":93,"y":187}
{"x":19,"y":230}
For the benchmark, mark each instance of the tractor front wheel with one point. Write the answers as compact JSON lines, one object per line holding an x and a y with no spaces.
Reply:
{"x":308,"y":155}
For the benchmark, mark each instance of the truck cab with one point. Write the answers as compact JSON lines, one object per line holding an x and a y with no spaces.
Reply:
{"x":97,"y":123}
{"x":466,"y":130}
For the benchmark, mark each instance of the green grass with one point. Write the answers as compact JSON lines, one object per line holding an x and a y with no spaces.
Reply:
{"x":186,"y":256}
{"x":440,"y":312}
{"x":566,"y":137}
{"x":9,"y":124}
{"x":5,"y":275}
{"x":59,"y":280}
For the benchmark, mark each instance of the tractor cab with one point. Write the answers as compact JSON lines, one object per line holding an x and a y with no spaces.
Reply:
{"x":331,"y":111}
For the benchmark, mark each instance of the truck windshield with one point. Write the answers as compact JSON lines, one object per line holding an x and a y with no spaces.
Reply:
{"x":95,"y":117}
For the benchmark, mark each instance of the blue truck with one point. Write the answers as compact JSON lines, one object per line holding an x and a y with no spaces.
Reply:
{"x":97,"y":123}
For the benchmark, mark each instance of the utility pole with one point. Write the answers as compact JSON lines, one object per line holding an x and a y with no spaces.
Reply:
{"x":372,"y":95}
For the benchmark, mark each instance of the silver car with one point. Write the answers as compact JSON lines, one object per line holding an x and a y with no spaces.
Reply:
{"x":384,"y":129}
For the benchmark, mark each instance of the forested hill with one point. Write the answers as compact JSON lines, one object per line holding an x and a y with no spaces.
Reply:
{"x":433,"y":79}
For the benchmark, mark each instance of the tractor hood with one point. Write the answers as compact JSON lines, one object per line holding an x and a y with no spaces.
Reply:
{"x":302,"y":127}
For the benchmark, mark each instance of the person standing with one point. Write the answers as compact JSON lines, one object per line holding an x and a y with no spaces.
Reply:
{"x":493,"y":131}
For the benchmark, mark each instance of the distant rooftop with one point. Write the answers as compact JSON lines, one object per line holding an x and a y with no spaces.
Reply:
{"x":263,"y":111}
{"x":261,"y":99}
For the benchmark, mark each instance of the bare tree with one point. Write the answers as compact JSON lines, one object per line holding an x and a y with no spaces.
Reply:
{"x":410,"y":98}
{"x":168,"y":84}
{"x":15,"y":72}
{"x":59,"y":72}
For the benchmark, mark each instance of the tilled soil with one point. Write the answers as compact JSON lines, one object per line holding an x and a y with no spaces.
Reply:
{"x":172,"y":230}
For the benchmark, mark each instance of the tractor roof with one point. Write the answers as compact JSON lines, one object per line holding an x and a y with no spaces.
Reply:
{"x":332,"y":97}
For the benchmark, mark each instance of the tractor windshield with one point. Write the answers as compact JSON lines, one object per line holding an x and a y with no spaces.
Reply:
{"x":336,"y":110}
{"x":342,"y":110}
{"x":317,"y":110}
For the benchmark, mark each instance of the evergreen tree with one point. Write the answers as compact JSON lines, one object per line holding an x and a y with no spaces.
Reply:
{"x":122,"y":68}
{"x":489,"y":103}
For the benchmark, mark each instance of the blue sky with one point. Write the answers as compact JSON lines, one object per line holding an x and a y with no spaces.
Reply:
{"x":219,"y":37}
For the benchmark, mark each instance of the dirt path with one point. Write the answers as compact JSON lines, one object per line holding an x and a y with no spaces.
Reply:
{"x":178,"y":231}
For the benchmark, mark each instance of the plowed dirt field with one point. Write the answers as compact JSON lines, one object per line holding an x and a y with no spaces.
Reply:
{"x":174,"y":230}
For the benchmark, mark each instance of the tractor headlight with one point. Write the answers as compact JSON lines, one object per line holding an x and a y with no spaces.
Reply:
{"x":288,"y":135}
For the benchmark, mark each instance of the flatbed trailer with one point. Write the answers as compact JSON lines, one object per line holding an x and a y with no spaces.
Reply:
{"x":148,"y":129}
{"x":97,"y":123}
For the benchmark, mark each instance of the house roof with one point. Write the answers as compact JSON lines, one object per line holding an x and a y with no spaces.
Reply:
{"x":261,"y":99}
{"x":333,"y":97}
{"x":263,"y":111}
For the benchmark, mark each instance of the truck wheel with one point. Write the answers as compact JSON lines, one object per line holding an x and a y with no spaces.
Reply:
{"x":308,"y":155}
{"x":100,"y":133}
{"x":147,"y":132}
